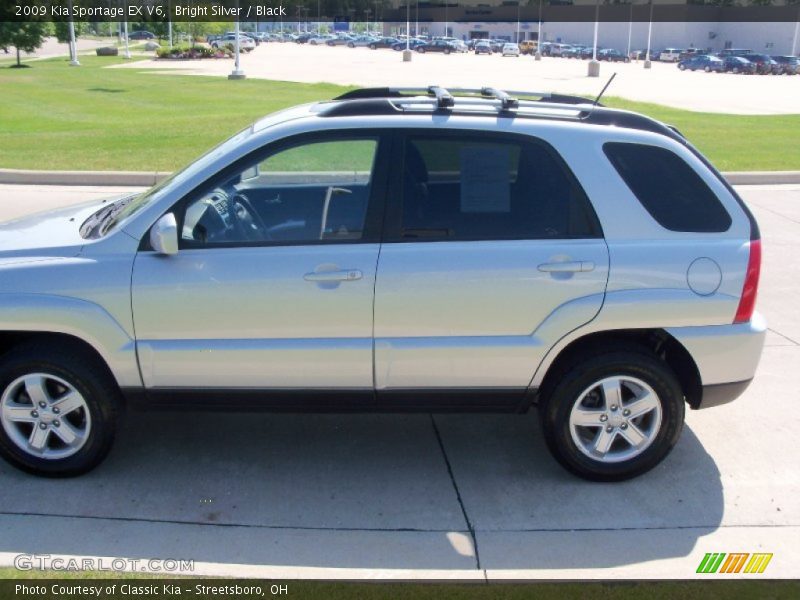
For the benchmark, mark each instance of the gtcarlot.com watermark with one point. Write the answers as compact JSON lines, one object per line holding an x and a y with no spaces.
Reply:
{"x":38,"y":562}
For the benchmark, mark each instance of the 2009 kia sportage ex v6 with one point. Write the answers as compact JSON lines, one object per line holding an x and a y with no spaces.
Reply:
{"x":394,"y":249}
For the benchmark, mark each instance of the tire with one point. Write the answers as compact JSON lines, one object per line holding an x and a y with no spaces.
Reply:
{"x":447,"y":51}
{"x":351,"y":45}
{"x":707,"y":69}
{"x":372,"y":47}
{"x":421,"y":50}
{"x":682,"y":67}
{"x":642,"y":375}
{"x":59,"y":369}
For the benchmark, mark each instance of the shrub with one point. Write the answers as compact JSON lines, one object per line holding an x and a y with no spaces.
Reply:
{"x":192,"y":52}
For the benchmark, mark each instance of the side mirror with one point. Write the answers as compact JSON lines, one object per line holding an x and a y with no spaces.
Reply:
{"x":164,"y":235}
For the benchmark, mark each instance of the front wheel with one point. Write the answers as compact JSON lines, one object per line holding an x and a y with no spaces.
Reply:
{"x":612,"y":416}
{"x":58,"y":408}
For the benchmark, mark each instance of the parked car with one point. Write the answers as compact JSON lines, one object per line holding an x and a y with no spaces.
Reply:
{"x":497,"y":45}
{"x":586,"y":53}
{"x":528,"y":46}
{"x":303,"y":38}
{"x":340,"y":40}
{"x":574,"y":51}
{"x":703,"y":62}
{"x":692,"y":52}
{"x":141,"y":35}
{"x":559,"y":49}
{"x":611,"y":55}
{"x":321,"y":40}
{"x":384,"y":42}
{"x":246,"y":43}
{"x":460,"y":46}
{"x":738,"y":64}
{"x":361,"y":41}
{"x":483,"y":47}
{"x":510,"y":49}
{"x":412,"y":44}
{"x":670,"y":55}
{"x":442,"y":46}
{"x":764,"y":64}
{"x":788,"y":65}
{"x":292,"y":267}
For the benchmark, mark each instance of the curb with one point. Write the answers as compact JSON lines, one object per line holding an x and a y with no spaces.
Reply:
{"x":89,"y":178}
{"x":148,"y":178}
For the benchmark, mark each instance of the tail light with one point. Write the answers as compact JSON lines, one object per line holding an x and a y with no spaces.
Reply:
{"x":747,"y":302}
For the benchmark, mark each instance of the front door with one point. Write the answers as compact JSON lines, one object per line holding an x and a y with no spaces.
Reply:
{"x":491,"y":250}
{"x":272,"y":287}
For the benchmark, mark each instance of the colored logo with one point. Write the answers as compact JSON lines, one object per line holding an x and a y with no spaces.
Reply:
{"x":734,"y":562}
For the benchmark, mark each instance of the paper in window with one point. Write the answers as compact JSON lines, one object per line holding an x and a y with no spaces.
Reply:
{"x":485,"y":180}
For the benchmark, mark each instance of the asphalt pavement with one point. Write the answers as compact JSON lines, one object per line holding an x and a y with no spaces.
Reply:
{"x":442,"y":496}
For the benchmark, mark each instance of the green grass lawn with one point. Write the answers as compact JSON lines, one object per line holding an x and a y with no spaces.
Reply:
{"x":53,"y":116}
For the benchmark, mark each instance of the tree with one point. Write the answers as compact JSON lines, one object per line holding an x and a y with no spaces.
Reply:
{"x":25,"y":37}
{"x":62,"y":30}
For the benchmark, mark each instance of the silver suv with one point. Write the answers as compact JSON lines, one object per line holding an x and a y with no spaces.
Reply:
{"x":394,"y":250}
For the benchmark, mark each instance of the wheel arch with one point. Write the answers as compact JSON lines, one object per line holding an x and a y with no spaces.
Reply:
{"x":656,"y":341}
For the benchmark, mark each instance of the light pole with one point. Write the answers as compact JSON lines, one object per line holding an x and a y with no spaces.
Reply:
{"x":649,"y":37}
{"x":594,"y":66}
{"x":319,"y":16}
{"x":539,"y":35}
{"x":125,"y":25}
{"x":416,"y":24}
{"x":73,"y":47}
{"x":237,"y":73}
{"x":794,"y":40}
{"x":169,"y":24}
{"x":630,"y":29}
{"x":445,"y":18}
{"x":407,"y":51}
{"x":518,"y":1}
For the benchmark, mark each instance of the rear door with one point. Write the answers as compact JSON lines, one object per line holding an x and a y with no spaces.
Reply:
{"x":488,"y":237}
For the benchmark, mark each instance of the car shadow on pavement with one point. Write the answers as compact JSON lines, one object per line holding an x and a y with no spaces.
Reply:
{"x":357,"y":491}
{"x":528,"y":513}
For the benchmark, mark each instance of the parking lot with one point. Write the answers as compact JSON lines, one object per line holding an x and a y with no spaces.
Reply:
{"x":662,"y":84}
{"x":442,"y":496}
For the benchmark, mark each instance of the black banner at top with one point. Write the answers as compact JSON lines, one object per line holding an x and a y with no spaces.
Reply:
{"x":396,"y":11}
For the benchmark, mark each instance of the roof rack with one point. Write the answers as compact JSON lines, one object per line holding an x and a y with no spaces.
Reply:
{"x":445,"y":97}
{"x":514,"y":104}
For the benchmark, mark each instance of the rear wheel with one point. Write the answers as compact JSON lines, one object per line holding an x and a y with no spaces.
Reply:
{"x":612,"y":416}
{"x":58,"y":409}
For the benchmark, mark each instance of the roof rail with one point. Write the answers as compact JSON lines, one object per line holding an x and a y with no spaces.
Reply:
{"x":507,"y":98}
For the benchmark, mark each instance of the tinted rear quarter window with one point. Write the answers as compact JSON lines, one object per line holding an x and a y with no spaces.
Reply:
{"x":668,"y":188}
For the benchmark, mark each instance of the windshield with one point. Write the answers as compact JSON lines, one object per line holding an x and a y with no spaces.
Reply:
{"x":104,"y":220}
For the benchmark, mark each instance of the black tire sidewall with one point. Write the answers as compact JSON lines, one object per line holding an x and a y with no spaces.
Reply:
{"x":101,"y":398}
{"x":556,"y":407}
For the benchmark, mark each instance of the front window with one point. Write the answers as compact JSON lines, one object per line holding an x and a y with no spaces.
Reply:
{"x":309,"y":193}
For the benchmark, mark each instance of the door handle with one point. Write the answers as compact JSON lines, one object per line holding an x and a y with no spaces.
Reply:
{"x":573,"y":266}
{"x":328,"y":276}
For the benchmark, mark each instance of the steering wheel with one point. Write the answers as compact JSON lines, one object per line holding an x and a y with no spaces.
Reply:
{"x":249,"y":223}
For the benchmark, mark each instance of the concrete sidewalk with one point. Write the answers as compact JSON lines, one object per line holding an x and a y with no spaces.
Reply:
{"x":435,"y":497}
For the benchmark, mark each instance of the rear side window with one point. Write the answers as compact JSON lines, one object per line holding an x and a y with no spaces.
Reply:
{"x":671,"y":191}
{"x":479,"y":187}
